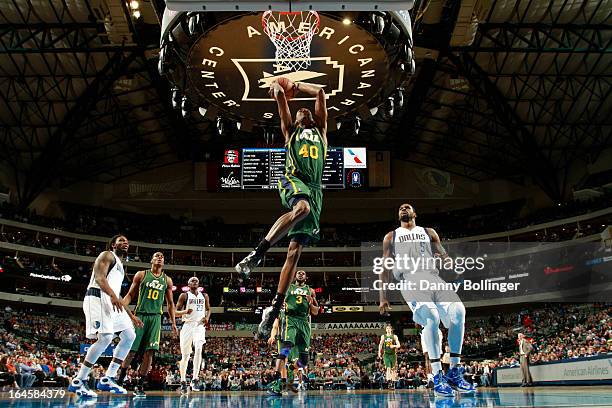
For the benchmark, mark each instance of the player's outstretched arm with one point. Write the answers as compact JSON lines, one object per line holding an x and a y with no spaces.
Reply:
{"x":278,"y":93}
{"x":320,"y":113}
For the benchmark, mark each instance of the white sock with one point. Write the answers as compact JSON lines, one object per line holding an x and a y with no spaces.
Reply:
{"x":436,"y":367}
{"x":112,"y":369}
{"x":83,"y":372}
{"x":454,"y":361}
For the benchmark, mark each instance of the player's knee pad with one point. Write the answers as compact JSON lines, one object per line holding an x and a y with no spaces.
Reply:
{"x":125,"y":344}
{"x":128,"y":335}
{"x":456,"y":313}
{"x":303,"y":360}
{"x":104,"y":339}
{"x":96,"y":349}
{"x":285,"y":350}
{"x":427,"y":316}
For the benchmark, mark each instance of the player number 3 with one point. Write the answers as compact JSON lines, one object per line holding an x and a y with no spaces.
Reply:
{"x":312,"y":152}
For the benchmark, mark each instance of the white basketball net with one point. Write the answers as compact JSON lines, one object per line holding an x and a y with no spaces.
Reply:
{"x":291,"y":34}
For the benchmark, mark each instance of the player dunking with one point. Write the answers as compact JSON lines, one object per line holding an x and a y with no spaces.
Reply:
{"x":293,"y":331}
{"x":429,"y":308}
{"x":105,"y":315}
{"x":153,"y":286}
{"x":299,"y":188}
{"x":193,"y":333}
{"x":387,"y":350}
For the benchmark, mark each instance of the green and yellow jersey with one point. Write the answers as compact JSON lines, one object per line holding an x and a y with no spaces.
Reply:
{"x":388,"y":342}
{"x":306,"y":152}
{"x":151,"y":294}
{"x":296,"y":303}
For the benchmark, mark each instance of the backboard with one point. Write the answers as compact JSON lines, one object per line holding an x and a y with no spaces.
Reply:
{"x":288,"y":5}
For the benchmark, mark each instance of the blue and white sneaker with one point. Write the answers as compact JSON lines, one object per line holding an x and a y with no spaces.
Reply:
{"x":441,"y":387}
{"x":109,"y":384}
{"x":456,"y":380}
{"x":81,"y":389}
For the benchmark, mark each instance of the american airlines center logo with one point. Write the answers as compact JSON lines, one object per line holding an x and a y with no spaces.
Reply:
{"x":232,"y":66}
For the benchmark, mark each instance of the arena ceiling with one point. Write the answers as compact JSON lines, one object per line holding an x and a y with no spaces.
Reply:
{"x":503,"y":89}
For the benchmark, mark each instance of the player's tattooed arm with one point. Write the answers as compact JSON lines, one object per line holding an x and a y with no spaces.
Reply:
{"x":436,"y":244}
{"x":278,"y":93}
{"x":207,"y":308}
{"x":180,"y":304}
{"x":170,"y":304}
{"x":384,"y":305}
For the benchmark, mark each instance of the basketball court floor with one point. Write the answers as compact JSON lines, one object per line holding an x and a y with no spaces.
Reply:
{"x":595,"y":396}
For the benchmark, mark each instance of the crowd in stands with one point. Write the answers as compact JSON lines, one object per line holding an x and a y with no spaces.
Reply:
{"x":38,"y":349}
{"x":163,"y":229}
{"x":566,"y":331}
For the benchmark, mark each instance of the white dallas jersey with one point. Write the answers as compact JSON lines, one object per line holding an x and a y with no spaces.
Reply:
{"x":115,"y":276}
{"x":197,"y":305}
{"x":413,"y":245}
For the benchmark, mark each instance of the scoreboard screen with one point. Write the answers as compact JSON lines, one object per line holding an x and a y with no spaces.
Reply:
{"x":260,"y":168}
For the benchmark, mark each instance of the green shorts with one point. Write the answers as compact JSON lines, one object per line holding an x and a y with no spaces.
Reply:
{"x":291,"y":189}
{"x":147,"y":337}
{"x":390,"y":360}
{"x":296,"y":331}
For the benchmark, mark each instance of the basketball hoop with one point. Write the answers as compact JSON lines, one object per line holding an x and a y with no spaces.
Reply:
{"x":291,"y":34}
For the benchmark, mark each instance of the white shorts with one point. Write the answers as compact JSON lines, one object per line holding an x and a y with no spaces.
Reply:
{"x":433,"y":299}
{"x":100,"y":317}
{"x":193,"y":334}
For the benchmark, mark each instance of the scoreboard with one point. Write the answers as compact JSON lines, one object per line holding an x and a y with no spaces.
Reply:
{"x":260,"y":168}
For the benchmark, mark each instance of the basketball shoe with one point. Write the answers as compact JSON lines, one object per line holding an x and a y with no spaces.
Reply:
{"x":109,"y":384}
{"x":81,"y":389}
{"x":457,"y":381}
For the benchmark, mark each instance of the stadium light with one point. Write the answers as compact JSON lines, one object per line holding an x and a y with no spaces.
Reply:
{"x":185,"y":108}
{"x":161,"y":65}
{"x":399,"y":97}
{"x":176,"y":97}
{"x":220,"y":125}
{"x":194,"y":23}
{"x":378,"y":24}
{"x":389,"y":107}
{"x":357,"y":125}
